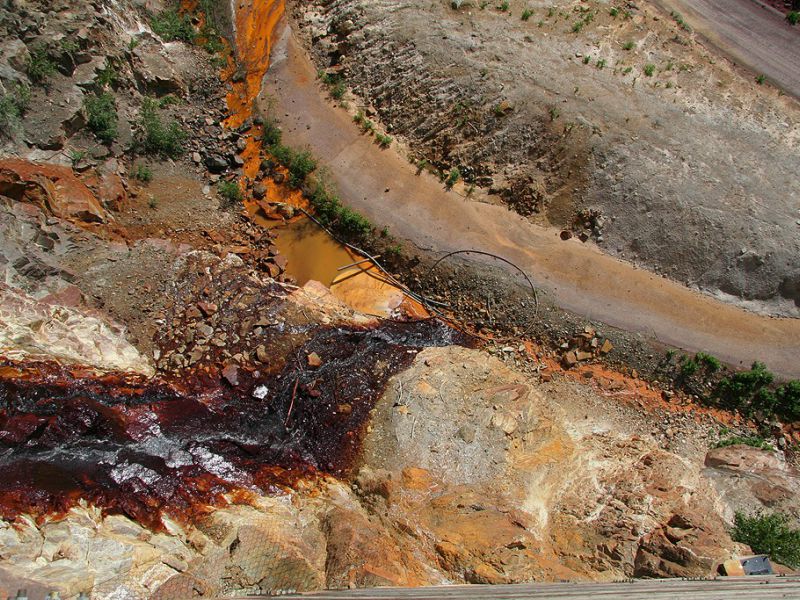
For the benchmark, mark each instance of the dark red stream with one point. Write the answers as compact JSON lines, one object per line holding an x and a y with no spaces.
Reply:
{"x":142,"y":447}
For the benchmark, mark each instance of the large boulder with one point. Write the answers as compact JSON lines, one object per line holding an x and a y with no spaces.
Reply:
{"x":54,"y":188}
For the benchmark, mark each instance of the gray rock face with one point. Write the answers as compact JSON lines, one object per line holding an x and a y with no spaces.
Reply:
{"x":155,"y":71}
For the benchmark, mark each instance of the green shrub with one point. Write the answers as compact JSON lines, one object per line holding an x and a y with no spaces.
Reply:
{"x":769,"y":534}
{"x":384,"y":141}
{"x":628,"y":45}
{"x":754,"y":441}
{"x":40,"y":66}
{"x":793,"y":17}
{"x":649,"y":69}
{"x":300,"y":163}
{"x":761,"y":79}
{"x":330,"y":212}
{"x":338,"y":90}
{"x":108,"y":76}
{"x":230,"y":191}
{"x":101,"y":114}
{"x":13,"y":106}
{"x":601,"y":63}
{"x":452,"y":177}
{"x":172,"y":26}
{"x":156,"y":136}
{"x":504,"y":6}
{"x":787,"y":400}
{"x":743,"y":390}
{"x":711,"y":363}
{"x":614,"y":12}
{"x":577,"y":26}
{"x":272,"y":133}
{"x":142,"y":173}
{"x":527,"y":14}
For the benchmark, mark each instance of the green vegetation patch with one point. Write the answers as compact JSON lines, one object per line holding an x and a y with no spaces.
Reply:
{"x":769,"y":534}
{"x":171,"y":26}
{"x":157,"y":136}
{"x":101,"y":116}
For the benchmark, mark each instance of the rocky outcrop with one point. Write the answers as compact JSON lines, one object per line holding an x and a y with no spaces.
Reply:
{"x":54,"y":189}
{"x":752,"y":480}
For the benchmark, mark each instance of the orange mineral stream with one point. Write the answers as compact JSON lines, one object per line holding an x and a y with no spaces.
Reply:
{"x":310,"y":252}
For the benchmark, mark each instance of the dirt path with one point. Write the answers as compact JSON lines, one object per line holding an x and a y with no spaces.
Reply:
{"x":753,"y":35}
{"x":384,"y":187}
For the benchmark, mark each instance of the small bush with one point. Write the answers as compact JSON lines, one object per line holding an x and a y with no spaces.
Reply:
{"x":452,"y":177}
{"x":527,"y":14}
{"x":649,"y":69}
{"x":156,"y":136}
{"x":330,"y":212}
{"x":504,"y":6}
{"x":108,"y":76}
{"x":300,"y":163}
{"x":272,"y":133}
{"x":601,"y":63}
{"x":40,"y":66}
{"x":754,"y":441}
{"x":614,"y":12}
{"x":101,"y":114}
{"x":787,"y":400}
{"x":13,"y":106}
{"x":746,"y":390}
{"x":761,"y":79}
{"x":384,"y":141}
{"x":793,"y":17}
{"x":769,"y":534}
{"x":577,"y":26}
{"x":171,"y":26}
{"x":628,"y":45}
{"x":338,"y":90}
{"x":142,"y":173}
{"x":230,"y":191}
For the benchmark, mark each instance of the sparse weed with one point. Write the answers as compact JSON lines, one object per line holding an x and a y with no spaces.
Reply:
{"x":157,"y":136}
{"x":143,"y":173}
{"x":230,"y":191}
{"x":13,"y":106}
{"x":102,"y":118}
{"x":384,"y":141}
{"x":452,"y":177}
{"x":40,"y":66}
{"x":172,"y":26}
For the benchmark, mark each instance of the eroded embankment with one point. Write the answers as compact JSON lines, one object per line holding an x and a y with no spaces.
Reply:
{"x":176,"y":444}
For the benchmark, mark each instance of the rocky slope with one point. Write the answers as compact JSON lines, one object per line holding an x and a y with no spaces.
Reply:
{"x":621,"y":126}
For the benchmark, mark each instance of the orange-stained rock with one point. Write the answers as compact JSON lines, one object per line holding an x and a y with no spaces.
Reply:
{"x":109,"y":189}
{"x":54,"y":188}
{"x":364,"y":554}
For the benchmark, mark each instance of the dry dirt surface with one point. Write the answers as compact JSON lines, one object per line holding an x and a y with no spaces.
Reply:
{"x":623,"y":126}
{"x":755,"y":36}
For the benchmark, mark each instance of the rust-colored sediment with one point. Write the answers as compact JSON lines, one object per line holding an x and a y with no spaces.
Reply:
{"x":186,"y":442}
